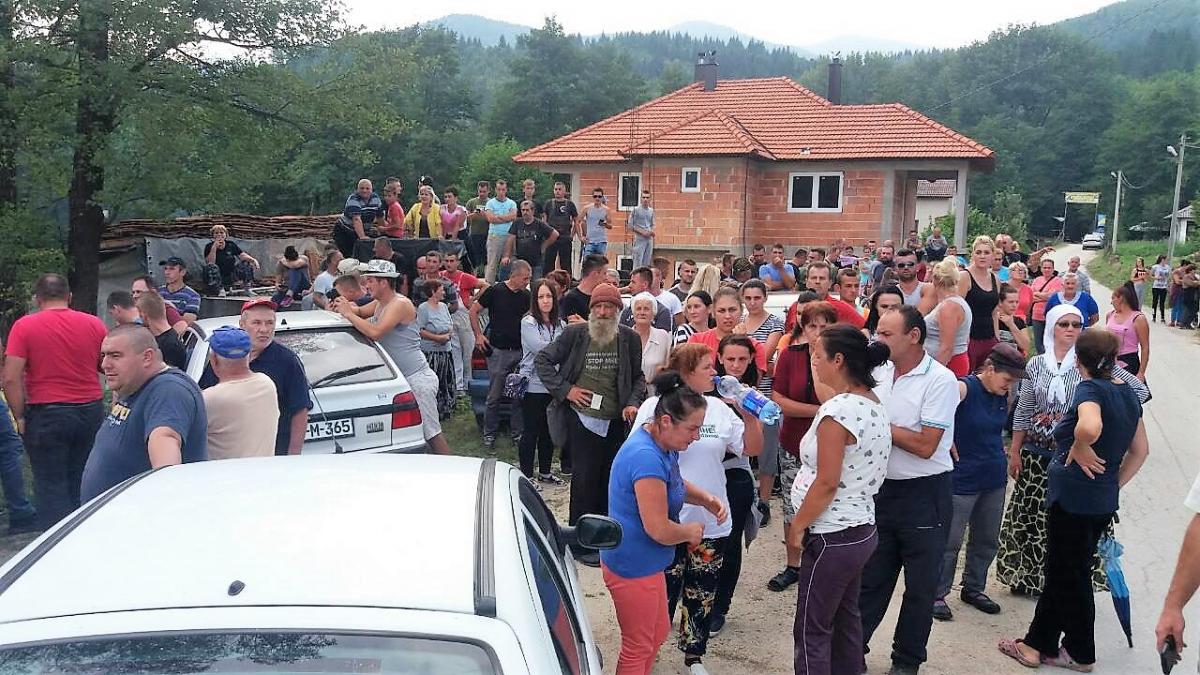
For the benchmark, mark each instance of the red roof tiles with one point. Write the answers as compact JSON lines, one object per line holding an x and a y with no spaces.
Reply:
{"x":771,"y":118}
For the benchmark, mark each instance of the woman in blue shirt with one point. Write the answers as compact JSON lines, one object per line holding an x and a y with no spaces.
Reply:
{"x":980,"y":476}
{"x":1101,"y":445}
{"x":645,"y":495}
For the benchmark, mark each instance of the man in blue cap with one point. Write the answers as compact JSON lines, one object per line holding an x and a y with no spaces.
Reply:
{"x":242,"y":408}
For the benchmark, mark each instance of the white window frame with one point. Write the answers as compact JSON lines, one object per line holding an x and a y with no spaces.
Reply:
{"x":816,"y":176}
{"x":621,"y":182}
{"x":683,"y":187}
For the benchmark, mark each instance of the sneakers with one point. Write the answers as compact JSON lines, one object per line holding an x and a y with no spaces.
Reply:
{"x":489,"y":443}
{"x":979,"y":601}
{"x":715,"y":624}
{"x":550,"y":479}
{"x":765,"y":509}
{"x":941,"y":611}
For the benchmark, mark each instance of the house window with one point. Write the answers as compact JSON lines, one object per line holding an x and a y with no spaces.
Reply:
{"x":815,"y":192}
{"x":630,"y":192}
{"x":690,"y":181}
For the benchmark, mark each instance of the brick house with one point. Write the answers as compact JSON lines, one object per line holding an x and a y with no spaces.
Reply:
{"x":731,"y":163}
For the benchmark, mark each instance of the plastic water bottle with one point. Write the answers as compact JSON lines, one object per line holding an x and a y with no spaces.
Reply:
{"x":751,"y":400}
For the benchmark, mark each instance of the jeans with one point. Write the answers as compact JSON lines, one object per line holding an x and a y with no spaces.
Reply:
{"x":828,"y":629}
{"x":500,"y":364}
{"x":596,"y":247}
{"x":1039,"y":333}
{"x":477,"y":250}
{"x":1177,"y":309}
{"x":591,"y":460}
{"x":692,"y":581}
{"x":20,"y":511}
{"x":739,"y":487}
{"x":912,"y":518}
{"x":465,"y":336}
{"x":643,"y":251}
{"x":641,"y":607}
{"x":537,"y":434}
{"x":58,"y":438}
{"x":983,"y":512}
{"x":560,"y":252}
{"x":1067,"y":608}
{"x":495,"y":251}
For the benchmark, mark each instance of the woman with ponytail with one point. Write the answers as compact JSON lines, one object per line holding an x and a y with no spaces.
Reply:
{"x":843,"y":462}
{"x":646,"y":494}
{"x":1100,"y":445}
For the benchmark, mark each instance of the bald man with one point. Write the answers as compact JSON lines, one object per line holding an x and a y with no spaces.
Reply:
{"x":157,"y":418}
{"x":362,"y":207}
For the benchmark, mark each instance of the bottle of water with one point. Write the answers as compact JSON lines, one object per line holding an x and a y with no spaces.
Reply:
{"x":751,"y":400}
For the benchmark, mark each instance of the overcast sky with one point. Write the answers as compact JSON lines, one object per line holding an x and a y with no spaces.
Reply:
{"x":933,"y":24}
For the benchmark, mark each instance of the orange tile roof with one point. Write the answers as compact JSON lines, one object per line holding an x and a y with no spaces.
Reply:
{"x":771,"y":118}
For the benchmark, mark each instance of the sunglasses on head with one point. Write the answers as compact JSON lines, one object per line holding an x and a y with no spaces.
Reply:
{"x":1069,"y":324}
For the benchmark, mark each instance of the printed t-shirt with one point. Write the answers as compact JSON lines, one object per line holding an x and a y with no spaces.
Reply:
{"x":599,"y":376}
{"x":561,"y":215}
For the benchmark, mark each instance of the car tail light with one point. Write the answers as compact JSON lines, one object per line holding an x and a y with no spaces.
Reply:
{"x":405,"y":413}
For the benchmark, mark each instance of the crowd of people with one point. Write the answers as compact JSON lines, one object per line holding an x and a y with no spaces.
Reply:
{"x":914,"y":383}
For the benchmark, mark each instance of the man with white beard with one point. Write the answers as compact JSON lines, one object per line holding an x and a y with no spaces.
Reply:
{"x":594,"y":372}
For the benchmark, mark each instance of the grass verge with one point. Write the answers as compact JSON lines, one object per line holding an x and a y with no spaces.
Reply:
{"x":1112,"y":271}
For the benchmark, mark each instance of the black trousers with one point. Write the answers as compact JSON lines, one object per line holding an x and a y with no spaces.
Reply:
{"x":1158,"y":302}
{"x":560,"y":250}
{"x":591,"y":459}
{"x":59,"y":438}
{"x":739,"y":486}
{"x":1067,"y":608}
{"x":345,"y":239}
{"x":535,"y":434}
{"x":913,"y":520}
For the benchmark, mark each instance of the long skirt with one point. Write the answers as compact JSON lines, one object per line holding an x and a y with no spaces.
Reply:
{"x":442,"y":364}
{"x":1020,"y":563}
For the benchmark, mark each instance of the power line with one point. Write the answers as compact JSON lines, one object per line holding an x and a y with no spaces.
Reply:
{"x":1047,"y":57}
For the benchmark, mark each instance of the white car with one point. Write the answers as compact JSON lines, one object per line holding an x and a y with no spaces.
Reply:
{"x":371,"y":564}
{"x":1093,"y":240}
{"x":361,"y":401}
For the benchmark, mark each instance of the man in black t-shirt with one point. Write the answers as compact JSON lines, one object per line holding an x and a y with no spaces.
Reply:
{"x":530,"y":237}
{"x":506,"y":303}
{"x":575,"y":305}
{"x":563,"y":216}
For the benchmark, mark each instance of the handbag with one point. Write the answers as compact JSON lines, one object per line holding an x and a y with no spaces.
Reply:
{"x":515,"y":386}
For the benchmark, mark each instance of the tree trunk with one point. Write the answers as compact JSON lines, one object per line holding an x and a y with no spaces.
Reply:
{"x":94,"y":121}
{"x":8,"y":115}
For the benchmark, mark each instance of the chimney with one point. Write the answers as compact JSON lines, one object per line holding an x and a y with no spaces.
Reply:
{"x":835,"y":81}
{"x":706,"y":69}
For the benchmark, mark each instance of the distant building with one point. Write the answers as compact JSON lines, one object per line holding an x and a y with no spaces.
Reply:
{"x":935,"y":198}
{"x":731,"y":163}
{"x":1185,"y":221}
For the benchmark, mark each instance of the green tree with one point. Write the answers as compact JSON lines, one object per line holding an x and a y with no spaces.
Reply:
{"x":494,"y":160}
{"x":674,"y":76}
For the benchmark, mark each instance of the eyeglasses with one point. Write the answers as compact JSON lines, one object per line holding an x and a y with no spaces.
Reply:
{"x":597,"y":196}
{"x":906,"y":265}
{"x":1069,"y":324}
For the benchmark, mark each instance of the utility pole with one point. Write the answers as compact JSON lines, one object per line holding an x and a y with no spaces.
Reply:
{"x":1117,"y":210}
{"x":1183,"y":139}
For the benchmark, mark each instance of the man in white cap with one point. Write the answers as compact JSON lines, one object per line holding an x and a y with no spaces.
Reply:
{"x":242,"y":408}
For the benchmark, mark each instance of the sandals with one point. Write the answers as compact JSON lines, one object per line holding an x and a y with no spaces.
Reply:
{"x":1009,"y":648}
{"x":782,"y":581}
{"x":1064,"y":660}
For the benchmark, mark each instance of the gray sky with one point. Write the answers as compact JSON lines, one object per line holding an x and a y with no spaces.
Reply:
{"x":934,"y":24}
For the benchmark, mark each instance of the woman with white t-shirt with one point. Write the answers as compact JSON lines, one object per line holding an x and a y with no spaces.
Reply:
{"x":843,"y":462}
{"x":693,"y":576}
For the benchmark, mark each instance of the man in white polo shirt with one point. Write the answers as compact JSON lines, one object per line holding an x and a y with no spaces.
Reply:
{"x":913,"y":508}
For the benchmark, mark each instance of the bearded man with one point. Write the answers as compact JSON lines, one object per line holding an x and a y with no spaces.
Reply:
{"x":594,"y":369}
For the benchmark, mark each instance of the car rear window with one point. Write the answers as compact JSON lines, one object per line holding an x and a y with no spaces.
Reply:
{"x":259,"y":652}
{"x":325,"y":353}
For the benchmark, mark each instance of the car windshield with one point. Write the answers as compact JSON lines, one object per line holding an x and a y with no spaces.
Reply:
{"x":325,"y":352}
{"x":251,"y":653}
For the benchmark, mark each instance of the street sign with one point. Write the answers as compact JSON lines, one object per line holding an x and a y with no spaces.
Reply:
{"x":1082,"y":197}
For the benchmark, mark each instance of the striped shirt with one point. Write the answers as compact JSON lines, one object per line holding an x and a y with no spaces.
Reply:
{"x":772,"y":324}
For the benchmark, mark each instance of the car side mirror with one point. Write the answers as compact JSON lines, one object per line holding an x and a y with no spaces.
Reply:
{"x":598,"y":533}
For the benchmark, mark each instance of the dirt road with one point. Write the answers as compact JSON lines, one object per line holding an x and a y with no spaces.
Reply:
{"x":758,"y":635}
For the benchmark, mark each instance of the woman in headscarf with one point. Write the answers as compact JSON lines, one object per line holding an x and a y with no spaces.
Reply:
{"x":1044,"y":398}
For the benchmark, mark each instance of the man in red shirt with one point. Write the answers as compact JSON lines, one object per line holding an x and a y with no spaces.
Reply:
{"x":52,"y":382}
{"x":820,"y":281}
{"x":468,"y":286}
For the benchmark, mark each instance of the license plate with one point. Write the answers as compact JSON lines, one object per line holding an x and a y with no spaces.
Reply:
{"x":329,"y":429}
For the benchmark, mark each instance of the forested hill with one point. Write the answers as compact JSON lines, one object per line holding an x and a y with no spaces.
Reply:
{"x":1147,"y":36}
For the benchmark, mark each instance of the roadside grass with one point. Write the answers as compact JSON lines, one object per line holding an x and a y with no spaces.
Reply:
{"x":464,"y":437}
{"x":1112,"y":271}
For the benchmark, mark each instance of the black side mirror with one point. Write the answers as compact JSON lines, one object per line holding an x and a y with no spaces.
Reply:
{"x":598,"y":533}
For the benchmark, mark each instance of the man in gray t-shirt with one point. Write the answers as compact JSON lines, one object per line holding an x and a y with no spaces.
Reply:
{"x":597,"y":221}
{"x":641,"y":222}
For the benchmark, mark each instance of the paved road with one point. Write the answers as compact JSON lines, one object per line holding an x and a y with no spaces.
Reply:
{"x":757,"y":638}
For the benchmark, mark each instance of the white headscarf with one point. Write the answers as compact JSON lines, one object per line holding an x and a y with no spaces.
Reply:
{"x":1058,"y":386}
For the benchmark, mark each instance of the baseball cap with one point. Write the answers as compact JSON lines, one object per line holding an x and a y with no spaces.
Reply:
{"x":380,"y":268}
{"x":1005,"y":358}
{"x":173,"y":260}
{"x":230,"y":342}
{"x":259,"y":302}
